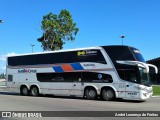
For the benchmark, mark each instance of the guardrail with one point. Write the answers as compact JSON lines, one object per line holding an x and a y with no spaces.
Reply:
{"x":2,"y":83}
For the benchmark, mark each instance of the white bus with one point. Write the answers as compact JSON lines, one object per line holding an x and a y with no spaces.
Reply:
{"x":106,"y":71}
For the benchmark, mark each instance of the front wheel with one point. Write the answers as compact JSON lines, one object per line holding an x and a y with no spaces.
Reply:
{"x":108,"y":94}
{"x":34,"y":91}
{"x":91,"y":93}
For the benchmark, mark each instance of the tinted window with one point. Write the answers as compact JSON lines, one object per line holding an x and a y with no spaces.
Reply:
{"x":63,"y":57}
{"x":96,"y":77}
{"x":74,"y":76}
{"x":123,"y":53}
{"x":38,"y":59}
{"x":128,"y":73}
{"x":137,"y":54}
{"x":119,"y":53}
{"x":85,"y":56}
{"x":10,"y":78}
{"x":47,"y":77}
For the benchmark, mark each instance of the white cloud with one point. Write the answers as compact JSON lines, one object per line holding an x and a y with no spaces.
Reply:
{"x":3,"y":59}
{"x":11,"y":54}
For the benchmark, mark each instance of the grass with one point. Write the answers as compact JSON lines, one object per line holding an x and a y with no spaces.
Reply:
{"x":156,"y":90}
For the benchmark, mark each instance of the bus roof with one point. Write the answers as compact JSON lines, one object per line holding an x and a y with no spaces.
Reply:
{"x":67,"y":50}
{"x":57,"y":51}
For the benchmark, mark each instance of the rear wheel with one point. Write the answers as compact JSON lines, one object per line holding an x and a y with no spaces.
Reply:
{"x":90,"y":93}
{"x":34,"y":91}
{"x":108,"y":94}
{"x":24,"y":91}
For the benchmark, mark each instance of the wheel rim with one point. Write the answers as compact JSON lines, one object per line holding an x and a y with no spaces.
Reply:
{"x":25,"y":91}
{"x":92,"y":93}
{"x":108,"y":94}
{"x":34,"y":91}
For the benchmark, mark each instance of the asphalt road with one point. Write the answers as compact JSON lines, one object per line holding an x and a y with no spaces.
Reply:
{"x":15,"y":102}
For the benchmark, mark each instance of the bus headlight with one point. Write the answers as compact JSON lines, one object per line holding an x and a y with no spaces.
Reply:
{"x":145,"y":94}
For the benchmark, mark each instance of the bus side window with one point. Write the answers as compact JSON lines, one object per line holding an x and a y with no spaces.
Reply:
{"x":131,"y":76}
{"x":77,"y":76}
{"x":58,"y":79}
{"x":108,"y":78}
{"x":66,"y":77}
{"x":100,"y":57}
{"x":10,"y":78}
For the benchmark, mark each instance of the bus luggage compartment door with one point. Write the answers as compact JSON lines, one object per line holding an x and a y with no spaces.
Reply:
{"x":77,"y":88}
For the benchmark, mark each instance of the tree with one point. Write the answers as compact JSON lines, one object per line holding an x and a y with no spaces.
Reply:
{"x":57,"y":29}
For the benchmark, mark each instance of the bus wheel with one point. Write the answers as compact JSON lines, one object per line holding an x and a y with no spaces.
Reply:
{"x":34,"y":91}
{"x":108,"y":94}
{"x":91,"y":93}
{"x":24,"y":91}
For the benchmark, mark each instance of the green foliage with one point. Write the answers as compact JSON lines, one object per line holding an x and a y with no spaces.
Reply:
{"x":2,"y":76}
{"x":156,"y":90}
{"x":57,"y":29}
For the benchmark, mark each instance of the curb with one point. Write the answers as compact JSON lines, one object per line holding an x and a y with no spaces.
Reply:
{"x":155,"y":96}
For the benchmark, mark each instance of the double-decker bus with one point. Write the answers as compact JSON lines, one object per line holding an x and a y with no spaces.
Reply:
{"x":106,"y":71}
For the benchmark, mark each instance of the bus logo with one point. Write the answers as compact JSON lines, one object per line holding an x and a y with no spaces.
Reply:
{"x":81,"y":53}
{"x":136,"y":51}
{"x":87,"y":52}
{"x":27,"y":71}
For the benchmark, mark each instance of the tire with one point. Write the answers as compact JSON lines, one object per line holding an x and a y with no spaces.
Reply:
{"x":34,"y":91}
{"x":91,"y":94}
{"x":24,"y":91}
{"x":108,"y":94}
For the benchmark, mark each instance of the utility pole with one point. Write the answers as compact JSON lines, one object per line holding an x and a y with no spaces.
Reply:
{"x":122,"y":36}
{"x":32,"y":47}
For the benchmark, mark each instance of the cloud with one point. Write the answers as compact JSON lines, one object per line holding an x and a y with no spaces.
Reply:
{"x":2,"y":66}
{"x":11,"y":54}
{"x":3,"y":59}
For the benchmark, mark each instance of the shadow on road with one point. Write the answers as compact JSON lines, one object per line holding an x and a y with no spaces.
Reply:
{"x":8,"y":93}
{"x":70,"y":97}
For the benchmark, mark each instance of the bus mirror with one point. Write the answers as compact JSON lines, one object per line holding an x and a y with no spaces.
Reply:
{"x":153,"y":66}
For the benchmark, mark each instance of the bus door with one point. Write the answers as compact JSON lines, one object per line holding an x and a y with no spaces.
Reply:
{"x":77,"y":88}
{"x":77,"y":84}
{"x":56,"y":85}
{"x":132,"y":86}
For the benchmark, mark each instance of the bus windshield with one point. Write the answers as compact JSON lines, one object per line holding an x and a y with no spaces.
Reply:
{"x":137,"y":54}
{"x":144,"y":77}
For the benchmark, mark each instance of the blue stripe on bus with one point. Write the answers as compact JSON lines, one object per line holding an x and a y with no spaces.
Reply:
{"x":77,"y":66}
{"x":58,"y":69}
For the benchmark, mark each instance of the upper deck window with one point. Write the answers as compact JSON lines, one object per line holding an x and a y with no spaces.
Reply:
{"x":92,"y":55}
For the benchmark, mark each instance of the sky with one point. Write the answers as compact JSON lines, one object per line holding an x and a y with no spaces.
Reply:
{"x":101,"y":22}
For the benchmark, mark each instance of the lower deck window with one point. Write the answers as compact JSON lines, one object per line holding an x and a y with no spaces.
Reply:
{"x":74,"y":76}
